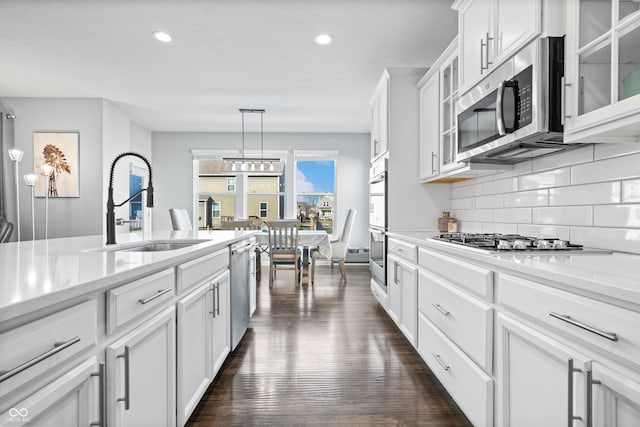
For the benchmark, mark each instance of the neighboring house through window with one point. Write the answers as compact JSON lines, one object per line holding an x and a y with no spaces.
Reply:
{"x":264,"y":210}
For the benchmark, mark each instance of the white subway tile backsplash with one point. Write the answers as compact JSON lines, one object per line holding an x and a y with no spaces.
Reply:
{"x":470,"y":227}
{"x":566,"y":215}
{"x":605,"y":151}
{"x":466,"y":191}
{"x":589,"y":194}
{"x":499,"y":186}
{"x":483,"y":215}
{"x":527,"y":198}
{"x":522,"y":168}
{"x":552,"y":178}
{"x":488,"y":202}
{"x":617,"y":239}
{"x":548,"y":231}
{"x":567,"y":158}
{"x":624,"y":167}
{"x":631,"y":191}
{"x":621,"y":216}
{"x":513,"y":215}
{"x":466,"y":203}
{"x":497,"y":227}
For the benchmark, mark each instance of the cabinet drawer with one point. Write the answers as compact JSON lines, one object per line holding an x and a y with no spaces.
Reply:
{"x":469,"y":386}
{"x":602,"y":325}
{"x":134,"y":299}
{"x":462,"y":318}
{"x":403,"y":250}
{"x":35,"y":348}
{"x":469,"y":276}
{"x":194,"y":272}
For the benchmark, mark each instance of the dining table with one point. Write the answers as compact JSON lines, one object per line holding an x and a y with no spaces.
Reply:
{"x":307,"y":239}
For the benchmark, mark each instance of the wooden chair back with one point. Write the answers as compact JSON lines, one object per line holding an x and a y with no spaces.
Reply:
{"x":283,"y":236}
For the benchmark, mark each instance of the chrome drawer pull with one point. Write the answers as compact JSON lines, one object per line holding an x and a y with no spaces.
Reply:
{"x":101,"y":405}
{"x":57,"y":348}
{"x":444,"y":365}
{"x":125,"y":399}
{"x":158,"y":295}
{"x":440,"y":309}
{"x":571,"y":370}
{"x":608,"y":335}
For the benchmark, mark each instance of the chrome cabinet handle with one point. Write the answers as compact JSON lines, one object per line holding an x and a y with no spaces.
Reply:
{"x":571,"y":370}
{"x":563,"y":104}
{"x":218,"y":299}
{"x":444,"y":365}
{"x":395,"y":272}
{"x":608,"y":335}
{"x":482,"y":67}
{"x":397,"y":249}
{"x":157,"y":295}
{"x":213,"y":299}
{"x":57,"y":348}
{"x":101,"y":397}
{"x":126,"y":399}
{"x":590,"y":383}
{"x":433,"y":167}
{"x":487,"y":52}
{"x":440,"y":309}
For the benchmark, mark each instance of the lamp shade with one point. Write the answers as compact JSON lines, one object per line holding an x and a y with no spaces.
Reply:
{"x":30,"y":179}
{"x":47,"y":169}
{"x":15,"y":154}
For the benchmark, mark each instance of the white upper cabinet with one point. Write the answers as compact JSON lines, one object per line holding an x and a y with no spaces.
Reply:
{"x":429,"y":128}
{"x":602,"y":74}
{"x":379,"y":118}
{"x":493,"y":30}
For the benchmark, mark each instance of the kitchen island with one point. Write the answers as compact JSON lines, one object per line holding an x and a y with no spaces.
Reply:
{"x":109,"y":334}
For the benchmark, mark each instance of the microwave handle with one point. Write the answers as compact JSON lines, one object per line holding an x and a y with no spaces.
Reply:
{"x":502,"y":129}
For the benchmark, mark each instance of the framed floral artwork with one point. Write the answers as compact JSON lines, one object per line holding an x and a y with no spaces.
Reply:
{"x":59,"y":151}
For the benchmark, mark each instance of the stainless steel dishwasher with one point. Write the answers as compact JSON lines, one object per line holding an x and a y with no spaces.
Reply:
{"x":239,"y":292}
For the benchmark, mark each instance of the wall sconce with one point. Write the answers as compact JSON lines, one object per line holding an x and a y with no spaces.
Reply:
{"x":46,"y":171}
{"x":30,"y":179}
{"x":16,"y":155}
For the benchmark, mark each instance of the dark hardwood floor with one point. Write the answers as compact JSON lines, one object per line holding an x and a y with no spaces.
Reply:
{"x":321,"y":355}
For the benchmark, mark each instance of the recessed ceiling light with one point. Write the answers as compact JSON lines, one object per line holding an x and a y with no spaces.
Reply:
{"x":323,"y":39}
{"x":163,"y":37}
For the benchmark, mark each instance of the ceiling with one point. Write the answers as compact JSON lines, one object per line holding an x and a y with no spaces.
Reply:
{"x":225,"y":55}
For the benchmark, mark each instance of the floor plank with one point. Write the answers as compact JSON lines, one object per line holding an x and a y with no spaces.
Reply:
{"x":325,"y":354}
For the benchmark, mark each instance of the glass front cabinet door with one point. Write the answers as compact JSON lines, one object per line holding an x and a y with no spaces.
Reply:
{"x":602,"y":76}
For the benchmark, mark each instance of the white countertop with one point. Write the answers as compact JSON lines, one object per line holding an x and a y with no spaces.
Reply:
{"x":613,"y":275}
{"x":36,"y":274}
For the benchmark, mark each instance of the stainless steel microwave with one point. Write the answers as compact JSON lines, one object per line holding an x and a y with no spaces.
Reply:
{"x":516,"y":112}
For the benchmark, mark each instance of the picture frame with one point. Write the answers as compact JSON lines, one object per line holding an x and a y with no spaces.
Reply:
{"x":60,"y":150}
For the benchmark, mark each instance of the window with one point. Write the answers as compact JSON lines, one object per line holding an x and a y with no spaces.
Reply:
{"x":215,"y":210}
{"x":264,"y":210}
{"x":231,"y":184}
{"x":315,"y":188}
{"x":216,"y":194}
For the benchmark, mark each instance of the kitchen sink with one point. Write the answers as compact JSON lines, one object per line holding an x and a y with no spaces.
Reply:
{"x":150,"y":246}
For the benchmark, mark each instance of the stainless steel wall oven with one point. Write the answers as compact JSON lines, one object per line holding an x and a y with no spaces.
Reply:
{"x":378,"y":222}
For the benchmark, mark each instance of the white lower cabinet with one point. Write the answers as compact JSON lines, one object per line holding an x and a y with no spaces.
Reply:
{"x":221,"y":327}
{"x":402,"y":285}
{"x":141,"y":384}
{"x":539,"y":381}
{"x":72,"y":400}
{"x":615,"y":397}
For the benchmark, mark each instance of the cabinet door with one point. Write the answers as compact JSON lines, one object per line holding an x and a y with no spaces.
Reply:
{"x":533,"y":379}
{"x":394,"y":289}
{"x":252,"y":283}
{"x":195,"y":333}
{"x":475,"y":24}
{"x":408,"y":278}
{"x":71,"y":400}
{"x":429,"y":128}
{"x":379,"y":118}
{"x":221,"y":340}
{"x":141,"y":373}
{"x":518,"y":21}
{"x":615,"y":398}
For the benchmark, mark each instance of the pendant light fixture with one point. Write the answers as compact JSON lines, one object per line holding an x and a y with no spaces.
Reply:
{"x":249,"y":164}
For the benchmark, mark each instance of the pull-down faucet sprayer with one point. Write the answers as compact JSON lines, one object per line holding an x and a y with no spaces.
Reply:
{"x":111,"y":216}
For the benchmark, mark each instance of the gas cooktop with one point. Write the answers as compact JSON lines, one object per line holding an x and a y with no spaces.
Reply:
{"x":492,"y":243}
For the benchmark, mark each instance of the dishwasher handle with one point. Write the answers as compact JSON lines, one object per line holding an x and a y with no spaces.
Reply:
{"x":241,"y":248}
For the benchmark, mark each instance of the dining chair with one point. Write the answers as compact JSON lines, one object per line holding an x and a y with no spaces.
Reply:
{"x":5,"y":230}
{"x":283,"y":248}
{"x":180,"y":219}
{"x":338,"y":247}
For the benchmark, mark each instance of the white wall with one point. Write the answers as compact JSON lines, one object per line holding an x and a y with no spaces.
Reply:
{"x":590,"y":196}
{"x":67,"y":216}
{"x":173,"y":174}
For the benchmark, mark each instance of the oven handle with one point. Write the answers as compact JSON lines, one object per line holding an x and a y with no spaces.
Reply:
{"x":377,"y":179}
{"x":502,"y":129}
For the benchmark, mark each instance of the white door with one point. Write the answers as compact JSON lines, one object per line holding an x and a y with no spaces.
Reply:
{"x":429,"y":128}
{"x":517,"y":21}
{"x":141,"y":373}
{"x":195,"y":334}
{"x":615,"y":398}
{"x":71,"y":400}
{"x":532,"y":378}
{"x":394,"y":289}
{"x":408,"y":277}
{"x":221,"y":341}
{"x":475,"y":23}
